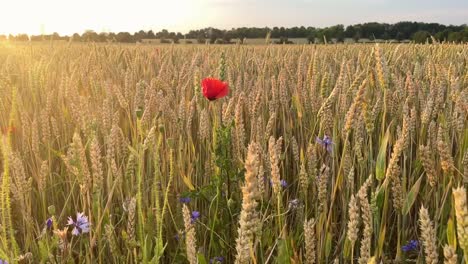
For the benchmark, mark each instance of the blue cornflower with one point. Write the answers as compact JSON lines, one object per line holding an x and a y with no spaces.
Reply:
{"x":185,"y":200}
{"x":49,"y":223}
{"x":80,"y":226}
{"x":195,"y":216}
{"x":326,"y":142}
{"x":412,"y":245}
{"x":283,"y":183}
{"x":217,"y":260}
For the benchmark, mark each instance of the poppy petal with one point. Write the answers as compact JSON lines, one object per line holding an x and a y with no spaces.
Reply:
{"x":224,"y":91}
{"x":208,"y":88}
{"x":214,"y":89}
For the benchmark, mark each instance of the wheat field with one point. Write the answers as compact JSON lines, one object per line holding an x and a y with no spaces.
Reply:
{"x":319,"y":154}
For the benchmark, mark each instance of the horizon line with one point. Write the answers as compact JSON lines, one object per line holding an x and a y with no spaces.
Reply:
{"x":107,"y":30}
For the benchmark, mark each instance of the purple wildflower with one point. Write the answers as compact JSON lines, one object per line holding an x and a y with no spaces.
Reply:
{"x":283,"y":183}
{"x":195,"y":216}
{"x":49,"y":223}
{"x":185,"y":200}
{"x":412,"y":245}
{"x":326,"y":142}
{"x":3,"y":261}
{"x":81,"y":225}
{"x":217,"y":260}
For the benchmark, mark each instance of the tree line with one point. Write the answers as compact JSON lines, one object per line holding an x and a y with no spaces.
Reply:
{"x":418,"y":32}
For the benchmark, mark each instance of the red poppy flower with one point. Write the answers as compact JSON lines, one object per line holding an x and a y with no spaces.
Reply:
{"x":214,"y":89}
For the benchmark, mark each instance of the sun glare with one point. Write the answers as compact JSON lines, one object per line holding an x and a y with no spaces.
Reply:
{"x":68,"y":17}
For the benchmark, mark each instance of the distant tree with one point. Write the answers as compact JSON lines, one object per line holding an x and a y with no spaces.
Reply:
{"x":76,"y":37}
{"x":421,"y":36}
{"x":102,"y":37}
{"x":293,"y":32}
{"x":443,"y":35}
{"x":385,"y":36}
{"x":175,"y":37}
{"x":22,"y":37}
{"x":400,"y":31}
{"x":465,"y":34}
{"x":282,"y":32}
{"x":242,"y":33}
{"x":302,"y":33}
{"x":454,"y":37}
{"x":400,"y":36}
{"x":311,"y":37}
{"x":192,"y":34}
{"x":320,"y":36}
{"x":227,"y":36}
{"x":214,"y":34}
{"x":310,"y":34}
{"x":406,"y":29}
{"x":333,"y":32}
{"x":55,"y":36}
{"x":275,"y":32}
{"x":124,"y":37}
{"x":90,"y":36}
{"x":337,"y":32}
{"x":350,"y":31}
{"x":111,"y":37}
{"x":138,"y":36}
{"x":357,"y":36}
{"x":150,"y":35}
{"x":371,"y":30}
{"x":201,"y":39}
{"x":162,"y":34}
{"x":36,"y":37}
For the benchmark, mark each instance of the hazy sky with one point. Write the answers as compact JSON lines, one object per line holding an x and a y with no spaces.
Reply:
{"x":69,"y":16}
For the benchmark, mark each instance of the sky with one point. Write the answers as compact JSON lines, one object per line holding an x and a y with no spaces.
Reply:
{"x":70,"y":16}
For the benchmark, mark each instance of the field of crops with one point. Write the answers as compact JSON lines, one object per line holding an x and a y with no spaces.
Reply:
{"x":319,"y":154}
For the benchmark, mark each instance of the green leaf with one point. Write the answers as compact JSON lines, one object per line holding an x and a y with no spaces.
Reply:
{"x":284,"y":253}
{"x":451,"y":236}
{"x":381,"y":240}
{"x":411,"y":196}
{"x":328,"y":244}
{"x":297,"y":105}
{"x":43,"y":251}
{"x":201,"y":259}
{"x":381,"y":157}
{"x":380,"y":195}
{"x":347,"y":249}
